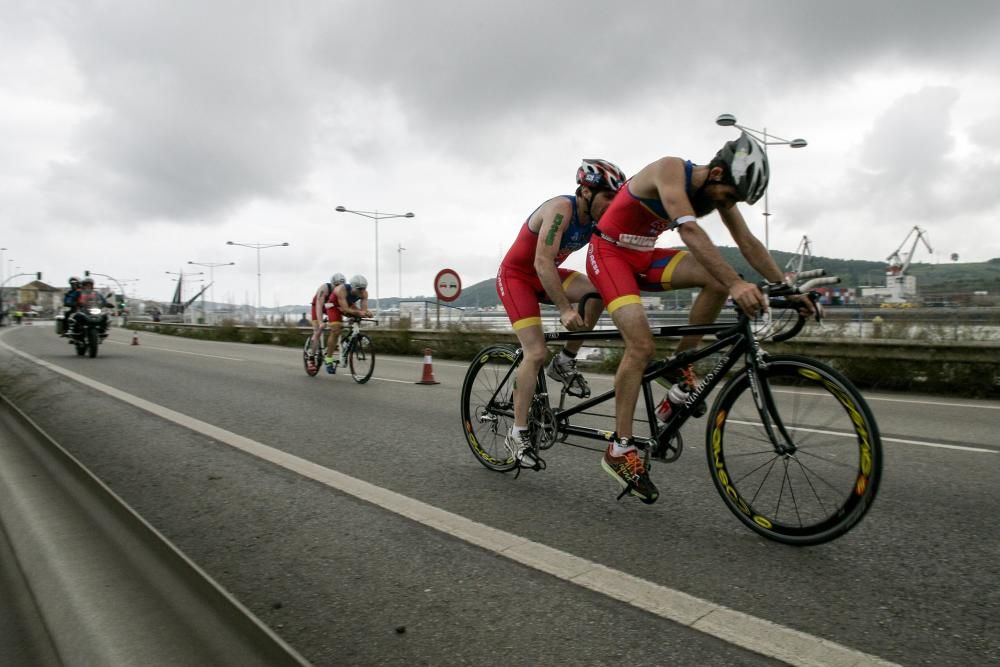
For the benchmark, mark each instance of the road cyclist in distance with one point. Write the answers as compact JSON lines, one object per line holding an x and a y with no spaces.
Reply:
{"x":671,"y":194}
{"x":530,"y":273}
{"x":348,"y":299}
{"x":321,"y":308}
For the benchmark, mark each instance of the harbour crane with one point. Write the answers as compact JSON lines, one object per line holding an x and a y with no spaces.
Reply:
{"x":899,"y":264}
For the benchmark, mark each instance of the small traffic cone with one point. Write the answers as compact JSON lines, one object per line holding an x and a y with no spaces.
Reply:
{"x":428,"y":377}
{"x":135,"y":338}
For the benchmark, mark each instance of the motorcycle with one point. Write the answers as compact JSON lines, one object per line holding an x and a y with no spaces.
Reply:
{"x":88,"y":327}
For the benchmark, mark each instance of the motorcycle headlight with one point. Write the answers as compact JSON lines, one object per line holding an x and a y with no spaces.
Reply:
{"x":94,"y":311}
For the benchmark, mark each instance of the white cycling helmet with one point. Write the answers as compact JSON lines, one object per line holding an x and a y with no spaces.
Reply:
{"x":746,"y":165}
{"x":337,"y":279}
{"x":359,"y":282}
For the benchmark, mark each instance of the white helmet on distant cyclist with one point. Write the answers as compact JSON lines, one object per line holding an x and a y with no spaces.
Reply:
{"x":746,"y":167}
{"x":337,"y":279}
{"x":359,"y":282}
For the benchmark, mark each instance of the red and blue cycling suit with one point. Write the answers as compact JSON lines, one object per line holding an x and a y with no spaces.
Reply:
{"x":518,"y":285}
{"x":620,"y":273}
{"x":332,"y":311}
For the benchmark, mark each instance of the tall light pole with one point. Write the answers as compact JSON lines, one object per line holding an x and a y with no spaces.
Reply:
{"x":729,"y":120}
{"x":258,"y":247}
{"x":400,"y":250}
{"x":211,"y":266}
{"x":376,"y":216}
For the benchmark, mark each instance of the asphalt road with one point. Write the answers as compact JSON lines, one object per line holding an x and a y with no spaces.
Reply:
{"x":347,"y":581}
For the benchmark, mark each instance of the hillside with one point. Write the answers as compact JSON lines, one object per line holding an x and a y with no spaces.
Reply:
{"x":932,"y":279}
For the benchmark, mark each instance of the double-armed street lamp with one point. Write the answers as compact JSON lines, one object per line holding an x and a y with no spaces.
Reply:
{"x":258,"y":247}
{"x":766,"y":139}
{"x":376,"y":216}
{"x":211,"y":266}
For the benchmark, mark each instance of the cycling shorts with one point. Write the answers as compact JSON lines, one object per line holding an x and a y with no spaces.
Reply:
{"x":521,"y":293}
{"x":333,"y":313}
{"x":619,"y":274}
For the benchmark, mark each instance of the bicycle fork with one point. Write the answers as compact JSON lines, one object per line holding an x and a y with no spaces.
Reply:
{"x":769,"y":417}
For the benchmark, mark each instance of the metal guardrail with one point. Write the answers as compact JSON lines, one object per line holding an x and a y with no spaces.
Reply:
{"x":89,"y":582}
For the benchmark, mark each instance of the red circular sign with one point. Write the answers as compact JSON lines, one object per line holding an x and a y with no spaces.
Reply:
{"x":447,"y":285}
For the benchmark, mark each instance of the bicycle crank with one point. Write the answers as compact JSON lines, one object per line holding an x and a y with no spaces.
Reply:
{"x":543,"y":425}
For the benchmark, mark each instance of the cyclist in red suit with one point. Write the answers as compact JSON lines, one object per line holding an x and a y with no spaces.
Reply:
{"x":530,"y":272}
{"x":670,"y":195}
{"x":322,"y":304}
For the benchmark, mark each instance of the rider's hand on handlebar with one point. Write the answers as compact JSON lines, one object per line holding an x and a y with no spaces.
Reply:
{"x":571,"y":319}
{"x":748,"y":297}
{"x":806,"y":305}
{"x":366,"y":313}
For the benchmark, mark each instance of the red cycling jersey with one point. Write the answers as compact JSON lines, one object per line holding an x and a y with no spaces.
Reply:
{"x":621,"y":273}
{"x":518,"y":285}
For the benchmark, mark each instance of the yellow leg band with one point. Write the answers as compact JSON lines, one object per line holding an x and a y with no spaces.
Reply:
{"x":668,"y":272}
{"x":527,"y":322}
{"x":623,"y":301}
{"x":570,"y":278}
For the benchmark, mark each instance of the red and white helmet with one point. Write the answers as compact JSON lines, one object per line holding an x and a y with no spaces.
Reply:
{"x":600,"y":175}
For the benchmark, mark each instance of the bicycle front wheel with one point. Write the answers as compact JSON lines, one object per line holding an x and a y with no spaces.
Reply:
{"x":488,"y":405}
{"x":826,"y":478}
{"x":361,"y":357}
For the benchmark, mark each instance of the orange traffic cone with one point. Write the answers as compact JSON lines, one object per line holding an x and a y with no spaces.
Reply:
{"x":135,"y":338}
{"x":428,"y":377}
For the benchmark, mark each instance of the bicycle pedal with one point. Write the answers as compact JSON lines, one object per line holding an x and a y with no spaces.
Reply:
{"x":537,"y":463}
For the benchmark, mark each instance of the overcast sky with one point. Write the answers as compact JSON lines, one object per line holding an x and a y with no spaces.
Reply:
{"x":137,"y":136}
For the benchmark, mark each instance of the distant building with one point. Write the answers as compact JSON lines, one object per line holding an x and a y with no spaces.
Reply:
{"x":36,"y":296}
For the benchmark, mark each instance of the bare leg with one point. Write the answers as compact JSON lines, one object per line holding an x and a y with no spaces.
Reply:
{"x":710,"y":300}
{"x":592,"y":310}
{"x":333,"y":338}
{"x":639,"y":348}
{"x":317,"y":332}
{"x":533,"y":344}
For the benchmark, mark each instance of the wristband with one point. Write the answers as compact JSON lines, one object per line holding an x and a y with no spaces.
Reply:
{"x":684,"y":218}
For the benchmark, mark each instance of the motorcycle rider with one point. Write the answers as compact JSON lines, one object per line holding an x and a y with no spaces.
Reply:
{"x":69,"y":305}
{"x":88,"y":297}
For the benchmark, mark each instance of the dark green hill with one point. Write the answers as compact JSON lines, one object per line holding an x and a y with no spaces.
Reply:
{"x":932,"y":279}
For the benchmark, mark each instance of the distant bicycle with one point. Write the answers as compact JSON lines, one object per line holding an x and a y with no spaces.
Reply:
{"x":357,"y":351}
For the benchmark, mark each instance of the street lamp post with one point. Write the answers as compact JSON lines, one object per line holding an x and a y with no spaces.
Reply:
{"x":376,"y":216}
{"x":400,"y":250}
{"x":211,"y":266}
{"x":729,"y":120}
{"x":258,"y":247}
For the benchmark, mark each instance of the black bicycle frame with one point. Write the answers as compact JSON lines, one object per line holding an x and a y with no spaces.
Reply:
{"x":738,"y":341}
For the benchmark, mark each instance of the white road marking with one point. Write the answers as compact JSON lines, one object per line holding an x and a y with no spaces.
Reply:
{"x":170,"y":349}
{"x":749,"y":632}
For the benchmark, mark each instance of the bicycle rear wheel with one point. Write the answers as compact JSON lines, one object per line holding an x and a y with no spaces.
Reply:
{"x":307,"y":355}
{"x":488,"y":406}
{"x":361,"y":357}
{"x":828,"y":479}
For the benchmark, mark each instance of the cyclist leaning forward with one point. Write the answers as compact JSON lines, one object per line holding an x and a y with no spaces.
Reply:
{"x":350,"y":299}
{"x":530,"y":273}
{"x":671,"y":194}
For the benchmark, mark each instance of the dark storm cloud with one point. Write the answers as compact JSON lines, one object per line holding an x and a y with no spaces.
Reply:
{"x":197,"y":110}
{"x":200,"y":107}
{"x":475,"y":62}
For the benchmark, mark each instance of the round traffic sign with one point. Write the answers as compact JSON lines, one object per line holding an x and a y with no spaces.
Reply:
{"x":447,"y":285}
